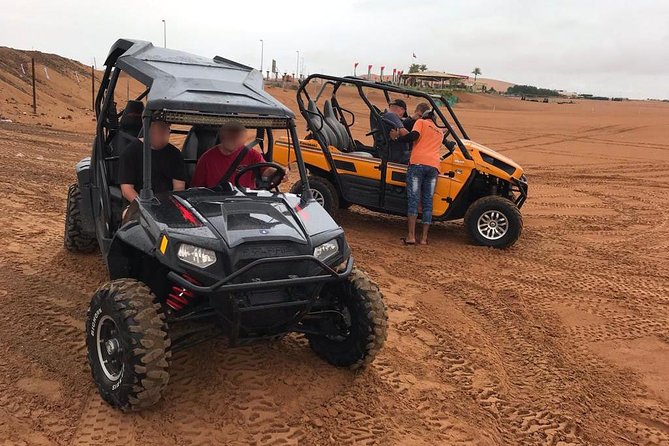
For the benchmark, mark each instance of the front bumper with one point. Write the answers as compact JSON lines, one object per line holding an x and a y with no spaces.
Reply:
{"x":522,"y":191}
{"x":226,"y":284}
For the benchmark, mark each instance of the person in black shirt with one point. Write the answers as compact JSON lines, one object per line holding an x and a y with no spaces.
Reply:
{"x":398,"y":152}
{"x":168,"y":172}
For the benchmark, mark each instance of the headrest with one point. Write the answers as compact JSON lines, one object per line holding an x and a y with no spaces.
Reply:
{"x":327,"y":109}
{"x":314,"y":115}
{"x":131,"y":118}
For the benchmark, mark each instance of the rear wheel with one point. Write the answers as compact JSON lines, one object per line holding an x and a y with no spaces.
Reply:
{"x":128,"y":345}
{"x":323,"y":192}
{"x":361,"y":320}
{"x":75,"y":239}
{"x":494,"y":221}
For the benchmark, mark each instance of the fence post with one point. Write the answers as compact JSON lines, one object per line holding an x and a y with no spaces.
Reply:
{"x":93,"y":88}
{"x":34,"y":91}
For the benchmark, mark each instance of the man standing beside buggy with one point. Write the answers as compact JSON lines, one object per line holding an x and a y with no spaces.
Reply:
{"x":422,"y":171}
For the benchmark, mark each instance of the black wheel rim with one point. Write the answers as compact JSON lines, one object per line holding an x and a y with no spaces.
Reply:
{"x":110,"y":353}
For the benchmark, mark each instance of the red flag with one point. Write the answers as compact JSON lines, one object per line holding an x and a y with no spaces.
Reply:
{"x":369,"y":67}
{"x":394,"y":70}
{"x":355,"y":65}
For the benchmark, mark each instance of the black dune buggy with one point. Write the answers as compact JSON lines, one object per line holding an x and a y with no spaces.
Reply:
{"x":189,"y":266}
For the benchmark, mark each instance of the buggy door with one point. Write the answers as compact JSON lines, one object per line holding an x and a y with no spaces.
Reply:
{"x":359,"y":178}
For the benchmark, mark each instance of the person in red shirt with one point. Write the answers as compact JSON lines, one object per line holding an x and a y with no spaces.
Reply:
{"x":215,"y":162}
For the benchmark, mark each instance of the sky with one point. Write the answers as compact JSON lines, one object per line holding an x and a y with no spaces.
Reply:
{"x":614,"y":48}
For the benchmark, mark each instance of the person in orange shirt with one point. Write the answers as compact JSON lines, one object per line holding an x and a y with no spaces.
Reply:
{"x":422,"y":171}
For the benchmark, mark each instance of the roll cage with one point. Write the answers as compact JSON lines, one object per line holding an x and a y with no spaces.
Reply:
{"x":455,"y":132}
{"x":184,"y":89}
{"x":336,"y":82}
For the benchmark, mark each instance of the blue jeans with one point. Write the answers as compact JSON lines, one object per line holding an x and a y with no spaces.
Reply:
{"x":421,"y":181}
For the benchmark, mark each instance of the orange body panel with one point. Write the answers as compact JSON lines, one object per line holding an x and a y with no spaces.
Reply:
{"x":448,"y":186}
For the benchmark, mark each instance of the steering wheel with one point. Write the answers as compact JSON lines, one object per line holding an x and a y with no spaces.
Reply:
{"x":271,"y":183}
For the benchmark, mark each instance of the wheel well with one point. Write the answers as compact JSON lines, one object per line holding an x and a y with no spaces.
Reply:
{"x":126,"y":261}
{"x":322,"y":173}
{"x":318,"y":172}
{"x":481,"y":185}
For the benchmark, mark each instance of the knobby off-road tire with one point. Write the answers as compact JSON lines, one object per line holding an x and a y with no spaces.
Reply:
{"x":134,"y":378}
{"x":494,"y":221}
{"x":75,"y":239}
{"x":323,"y":191}
{"x":368,"y":324}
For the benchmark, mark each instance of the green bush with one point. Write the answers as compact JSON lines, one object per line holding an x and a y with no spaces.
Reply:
{"x":529,"y":90}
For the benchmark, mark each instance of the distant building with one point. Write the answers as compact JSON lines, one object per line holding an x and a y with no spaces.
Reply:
{"x":433,"y":79}
{"x":567,"y":94}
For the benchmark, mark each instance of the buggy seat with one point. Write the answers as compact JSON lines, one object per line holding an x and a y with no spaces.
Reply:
{"x":328,"y":130}
{"x":198,"y":140}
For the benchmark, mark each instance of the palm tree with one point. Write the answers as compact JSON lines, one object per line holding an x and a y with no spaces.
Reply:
{"x":476,"y":72}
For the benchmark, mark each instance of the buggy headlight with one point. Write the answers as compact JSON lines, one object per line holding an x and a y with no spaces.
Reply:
{"x":196,"y":256}
{"x":326,"y":250}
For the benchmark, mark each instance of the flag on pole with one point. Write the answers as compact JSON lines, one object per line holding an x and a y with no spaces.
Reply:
{"x":356,"y":65}
{"x":414,"y":55}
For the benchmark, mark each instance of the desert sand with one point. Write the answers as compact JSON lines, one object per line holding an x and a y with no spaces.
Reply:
{"x":561,"y":340}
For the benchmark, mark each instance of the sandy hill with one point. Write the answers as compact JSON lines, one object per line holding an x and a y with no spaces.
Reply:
{"x":64,"y":97}
{"x":63,"y":85}
{"x":63,"y":89}
{"x":498,"y":85}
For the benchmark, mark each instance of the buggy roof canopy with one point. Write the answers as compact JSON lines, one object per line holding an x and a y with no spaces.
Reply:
{"x":189,"y":85}
{"x":434,"y":76}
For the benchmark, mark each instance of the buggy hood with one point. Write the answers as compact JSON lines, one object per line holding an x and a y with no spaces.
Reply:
{"x":245,"y":220}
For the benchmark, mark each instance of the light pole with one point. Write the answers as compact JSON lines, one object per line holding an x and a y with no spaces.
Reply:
{"x":262,"y":53}
{"x":164,"y":34}
{"x":297,"y":66}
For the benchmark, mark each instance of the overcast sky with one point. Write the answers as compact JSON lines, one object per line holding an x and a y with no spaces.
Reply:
{"x":613,"y":48}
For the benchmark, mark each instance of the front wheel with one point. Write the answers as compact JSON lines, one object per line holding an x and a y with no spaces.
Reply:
{"x":128,"y":345}
{"x":361,"y":320}
{"x":323,"y":192}
{"x":494,"y":221}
